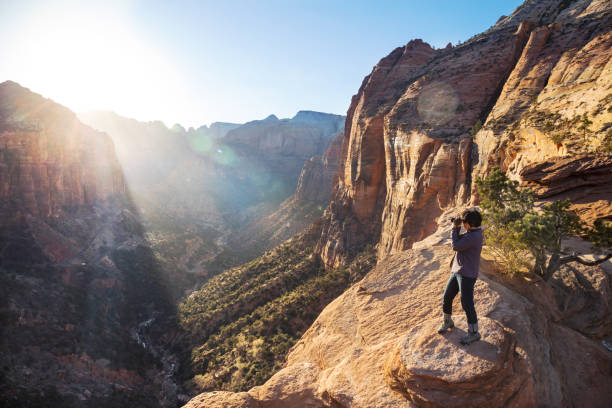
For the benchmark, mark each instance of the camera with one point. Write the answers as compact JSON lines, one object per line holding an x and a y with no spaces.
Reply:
{"x":455,"y":220}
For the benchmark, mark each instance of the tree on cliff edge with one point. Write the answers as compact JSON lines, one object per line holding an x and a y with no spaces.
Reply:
{"x":516,"y":227}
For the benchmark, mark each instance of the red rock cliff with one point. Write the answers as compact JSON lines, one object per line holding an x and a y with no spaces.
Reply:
{"x":48,"y":158}
{"x":409,"y":152}
{"x":377,"y":346}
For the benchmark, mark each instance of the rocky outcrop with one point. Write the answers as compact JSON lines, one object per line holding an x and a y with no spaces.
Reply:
{"x":586,"y":180}
{"x":48,"y":159}
{"x":317,"y":176}
{"x":413,"y":142}
{"x":432,"y":371}
{"x":376,"y":345}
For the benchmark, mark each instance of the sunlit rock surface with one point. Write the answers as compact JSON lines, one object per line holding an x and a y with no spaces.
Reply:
{"x":408,"y":150}
{"x":436,"y":370}
{"x":377,"y":344}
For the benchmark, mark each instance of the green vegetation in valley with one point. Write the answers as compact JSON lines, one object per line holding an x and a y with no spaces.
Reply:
{"x":242,"y":323}
{"x":266,"y":233}
{"x":517,"y":229}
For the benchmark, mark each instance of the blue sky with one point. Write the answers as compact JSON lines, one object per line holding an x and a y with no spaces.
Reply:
{"x":195,"y":62}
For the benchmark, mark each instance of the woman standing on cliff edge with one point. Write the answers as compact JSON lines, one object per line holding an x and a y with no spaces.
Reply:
{"x":464,"y":272}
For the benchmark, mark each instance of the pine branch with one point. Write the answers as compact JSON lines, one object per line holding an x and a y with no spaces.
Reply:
{"x":575,"y":258}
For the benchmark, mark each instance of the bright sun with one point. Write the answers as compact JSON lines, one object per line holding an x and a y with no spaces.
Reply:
{"x":91,"y":60}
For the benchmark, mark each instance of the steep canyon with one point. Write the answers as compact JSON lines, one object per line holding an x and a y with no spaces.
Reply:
{"x":531,"y":95}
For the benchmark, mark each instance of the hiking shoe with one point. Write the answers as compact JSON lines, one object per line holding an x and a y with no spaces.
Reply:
{"x":446,"y":324}
{"x":470,"y":338}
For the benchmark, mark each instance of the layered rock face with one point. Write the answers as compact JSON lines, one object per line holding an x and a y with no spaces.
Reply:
{"x":585,"y":179}
{"x":296,"y":212}
{"x":77,"y":277}
{"x":535,"y":130}
{"x":377,"y":346}
{"x":49,"y":159}
{"x":409,"y":151}
{"x":283,"y":146}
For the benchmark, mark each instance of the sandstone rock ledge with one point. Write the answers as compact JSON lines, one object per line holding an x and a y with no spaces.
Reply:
{"x":376,"y":346}
{"x":434,"y":370}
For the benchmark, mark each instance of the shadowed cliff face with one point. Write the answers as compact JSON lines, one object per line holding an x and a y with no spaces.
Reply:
{"x":294,"y":214}
{"x":409,"y":152}
{"x":86,"y":311}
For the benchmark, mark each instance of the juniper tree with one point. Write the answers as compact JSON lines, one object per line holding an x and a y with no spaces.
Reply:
{"x":516,"y":227}
{"x":585,"y":122}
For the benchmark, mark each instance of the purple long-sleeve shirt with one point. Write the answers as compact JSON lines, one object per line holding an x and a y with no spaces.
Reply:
{"x":467,"y":249}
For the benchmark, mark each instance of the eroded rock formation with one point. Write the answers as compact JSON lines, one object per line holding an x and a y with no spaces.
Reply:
{"x":529,"y":95}
{"x":412,"y":141}
{"x":376,"y":345}
{"x":431,"y":371}
{"x":48,"y":159}
{"x":78,"y":281}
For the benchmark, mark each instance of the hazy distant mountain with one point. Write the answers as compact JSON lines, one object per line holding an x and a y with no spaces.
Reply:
{"x":221,"y":177}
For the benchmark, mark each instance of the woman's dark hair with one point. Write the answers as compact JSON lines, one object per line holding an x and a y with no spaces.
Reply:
{"x":473,"y":218}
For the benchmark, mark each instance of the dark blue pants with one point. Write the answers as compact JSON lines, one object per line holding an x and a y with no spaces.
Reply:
{"x":458,"y":283}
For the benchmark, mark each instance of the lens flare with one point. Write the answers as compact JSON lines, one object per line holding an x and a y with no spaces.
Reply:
{"x":437,"y":103}
{"x":199,"y":142}
{"x":224,"y":155}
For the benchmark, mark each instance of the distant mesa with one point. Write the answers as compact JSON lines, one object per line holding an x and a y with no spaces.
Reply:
{"x":271,"y":118}
{"x":177,"y":128}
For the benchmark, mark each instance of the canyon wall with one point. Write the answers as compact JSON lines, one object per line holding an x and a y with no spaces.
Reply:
{"x":294,"y":214}
{"x":377,"y":344}
{"x":532,"y":95}
{"x":49,"y":159}
{"x":77,"y":276}
{"x":413,"y":141}
{"x":223,"y":194}
{"x":278,"y":148}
